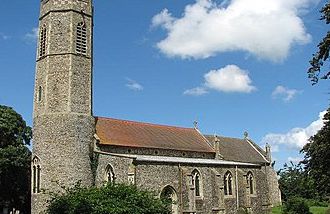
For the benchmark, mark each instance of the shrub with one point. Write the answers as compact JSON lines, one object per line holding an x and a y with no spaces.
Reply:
{"x":317,"y":203}
{"x":296,"y":205}
{"x":111,"y":199}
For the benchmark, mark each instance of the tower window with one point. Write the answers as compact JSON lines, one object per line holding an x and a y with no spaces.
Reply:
{"x":42,"y":45}
{"x":39,"y":93}
{"x":228,"y":183}
{"x":36,"y":170}
{"x":81,"y":39}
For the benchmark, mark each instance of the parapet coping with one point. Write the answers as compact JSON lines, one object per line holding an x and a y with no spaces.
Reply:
{"x":167,"y":159}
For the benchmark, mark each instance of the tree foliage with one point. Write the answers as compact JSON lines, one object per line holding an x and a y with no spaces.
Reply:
{"x":14,"y":160}
{"x":13,"y":129}
{"x":110,"y":199}
{"x":294,"y":182}
{"x":296,"y":205}
{"x":317,"y":157}
{"x":322,"y":55}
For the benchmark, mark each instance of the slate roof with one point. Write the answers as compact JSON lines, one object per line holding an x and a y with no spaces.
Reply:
{"x":145,"y":135}
{"x":241,"y":150}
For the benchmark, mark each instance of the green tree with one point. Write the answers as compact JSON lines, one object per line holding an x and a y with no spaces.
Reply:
{"x":294,"y":182}
{"x":317,"y":157}
{"x":322,"y":55}
{"x":14,"y":160}
{"x":296,"y":205}
{"x":110,"y":199}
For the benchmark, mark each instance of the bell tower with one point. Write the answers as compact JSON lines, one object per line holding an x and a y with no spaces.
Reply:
{"x":63,"y":124}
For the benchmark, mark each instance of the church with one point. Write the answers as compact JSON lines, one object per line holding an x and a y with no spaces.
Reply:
{"x":201,"y":173}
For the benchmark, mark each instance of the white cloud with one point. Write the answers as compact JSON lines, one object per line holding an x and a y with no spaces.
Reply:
{"x":286,"y":94}
{"x":32,"y":36}
{"x":164,"y":19}
{"x":266,"y":29}
{"x":228,"y":79}
{"x":133,"y":85}
{"x":296,"y":138}
{"x":198,"y":91}
{"x":4,"y":36}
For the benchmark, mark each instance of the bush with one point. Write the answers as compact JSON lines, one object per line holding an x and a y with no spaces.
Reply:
{"x":296,"y":205}
{"x":317,"y":203}
{"x":111,"y":199}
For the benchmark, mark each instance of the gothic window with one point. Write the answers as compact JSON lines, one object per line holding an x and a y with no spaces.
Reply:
{"x":109,"y":174}
{"x":39,"y":93}
{"x":196,"y":182}
{"x":250,"y":182}
{"x":43,"y":38}
{"x":228,"y":183}
{"x":36,"y":169}
{"x":81,"y":39}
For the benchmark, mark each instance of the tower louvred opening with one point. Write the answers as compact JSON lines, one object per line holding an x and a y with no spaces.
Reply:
{"x":81,"y":40}
{"x":42,"y":46}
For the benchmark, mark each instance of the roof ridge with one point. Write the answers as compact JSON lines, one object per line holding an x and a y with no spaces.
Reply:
{"x":254,"y":146}
{"x":144,"y":123}
{"x":205,"y":139}
{"x":209,"y":135}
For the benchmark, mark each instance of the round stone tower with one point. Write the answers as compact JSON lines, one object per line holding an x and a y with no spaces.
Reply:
{"x":63,"y":124}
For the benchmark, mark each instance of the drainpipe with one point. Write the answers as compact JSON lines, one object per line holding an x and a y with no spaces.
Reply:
{"x":236,"y":184}
{"x":180,"y":188}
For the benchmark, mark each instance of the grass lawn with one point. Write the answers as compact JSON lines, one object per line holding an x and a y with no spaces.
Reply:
{"x":314,"y":210}
{"x":277,"y":210}
{"x":318,"y":210}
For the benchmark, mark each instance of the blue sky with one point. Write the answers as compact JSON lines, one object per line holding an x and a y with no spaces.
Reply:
{"x":233,"y":66}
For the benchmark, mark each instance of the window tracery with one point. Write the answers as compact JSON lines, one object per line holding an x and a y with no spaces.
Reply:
{"x":228,"y":183}
{"x":196,"y":179}
{"x":250,"y":182}
{"x":109,"y":174}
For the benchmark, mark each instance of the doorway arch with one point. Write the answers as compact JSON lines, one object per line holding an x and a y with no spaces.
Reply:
{"x":169,"y":192}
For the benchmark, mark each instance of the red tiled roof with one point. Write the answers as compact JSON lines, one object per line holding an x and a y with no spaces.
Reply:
{"x":145,"y":135}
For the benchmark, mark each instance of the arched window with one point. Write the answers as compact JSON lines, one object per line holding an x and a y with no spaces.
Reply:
{"x":197,"y":182}
{"x":228,"y":183}
{"x":81,"y":39}
{"x":250,"y":182}
{"x":36,"y":169}
{"x":169,"y":193}
{"x":109,"y":174}
{"x":43,"y":38}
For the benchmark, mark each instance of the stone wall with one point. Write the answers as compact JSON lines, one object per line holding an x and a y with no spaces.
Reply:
{"x":63,"y":151}
{"x":156,"y":176}
{"x":274,"y":190}
{"x":63,"y":125}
